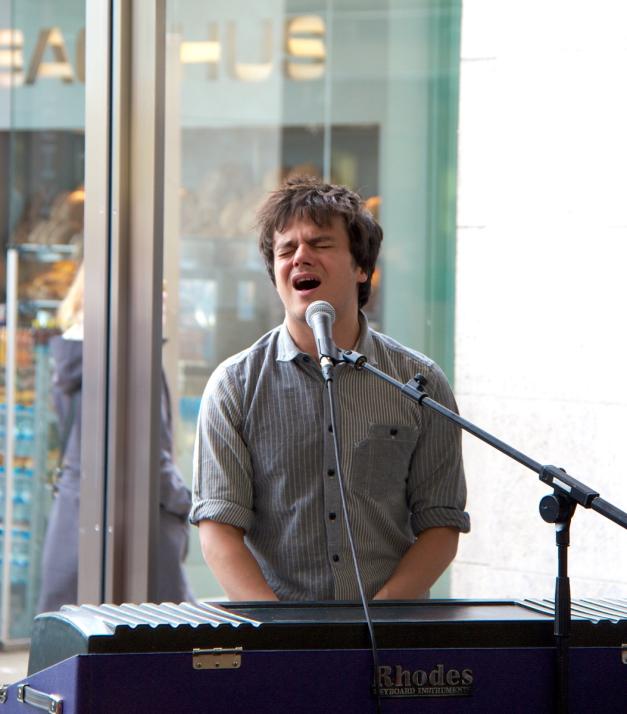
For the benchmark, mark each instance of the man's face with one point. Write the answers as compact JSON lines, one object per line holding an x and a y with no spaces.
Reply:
{"x":315,"y":263}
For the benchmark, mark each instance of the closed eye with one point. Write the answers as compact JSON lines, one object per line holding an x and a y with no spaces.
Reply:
{"x":317,"y":243}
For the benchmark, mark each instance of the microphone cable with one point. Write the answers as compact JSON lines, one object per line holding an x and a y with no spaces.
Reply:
{"x":360,"y":585}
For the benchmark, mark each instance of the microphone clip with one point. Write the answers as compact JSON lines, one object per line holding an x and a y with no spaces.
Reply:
{"x":326,"y":365}
{"x":353,"y":357}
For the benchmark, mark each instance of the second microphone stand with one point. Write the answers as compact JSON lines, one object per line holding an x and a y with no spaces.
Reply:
{"x":557,"y":508}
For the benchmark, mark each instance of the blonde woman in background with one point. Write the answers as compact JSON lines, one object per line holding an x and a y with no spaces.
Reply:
{"x":59,"y":566}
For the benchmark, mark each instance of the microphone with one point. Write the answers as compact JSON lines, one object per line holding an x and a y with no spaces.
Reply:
{"x":320,"y":317}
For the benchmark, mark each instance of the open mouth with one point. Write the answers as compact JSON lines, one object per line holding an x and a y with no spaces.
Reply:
{"x":306,"y":282}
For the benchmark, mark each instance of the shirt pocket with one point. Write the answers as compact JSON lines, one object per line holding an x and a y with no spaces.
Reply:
{"x":381,"y":462}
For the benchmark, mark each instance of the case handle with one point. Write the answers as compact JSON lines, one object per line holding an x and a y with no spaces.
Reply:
{"x":51,"y":703}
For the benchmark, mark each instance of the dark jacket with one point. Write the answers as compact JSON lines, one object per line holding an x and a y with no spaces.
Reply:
{"x":60,"y":552}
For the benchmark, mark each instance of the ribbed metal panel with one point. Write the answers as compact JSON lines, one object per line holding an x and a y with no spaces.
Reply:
{"x":152,"y":615}
{"x":610,"y":609}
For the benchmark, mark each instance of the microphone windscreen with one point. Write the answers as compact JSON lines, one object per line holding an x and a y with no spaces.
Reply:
{"x":319,"y":306}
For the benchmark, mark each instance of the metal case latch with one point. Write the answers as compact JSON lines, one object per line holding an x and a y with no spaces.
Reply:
{"x":51,"y":703}
{"x":217,"y":658}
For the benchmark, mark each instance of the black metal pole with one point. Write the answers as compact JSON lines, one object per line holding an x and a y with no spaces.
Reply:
{"x":559,"y":509}
{"x":562,"y":614}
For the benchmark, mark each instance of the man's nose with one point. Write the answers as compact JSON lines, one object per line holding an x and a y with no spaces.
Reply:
{"x":303,"y":254}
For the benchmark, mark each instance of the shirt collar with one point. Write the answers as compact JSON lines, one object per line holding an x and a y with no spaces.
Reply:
{"x":286,"y":347}
{"x":365,"y":343}
{"x":288,"y":351}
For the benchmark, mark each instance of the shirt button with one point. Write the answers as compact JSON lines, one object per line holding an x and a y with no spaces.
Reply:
{"x":336,"y":557}
{"x":306,"y":359}
{"x":332,"y":516}
{"x":331,"y":472}
{"x":330,"y":427}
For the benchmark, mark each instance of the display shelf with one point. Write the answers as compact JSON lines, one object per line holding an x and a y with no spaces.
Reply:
{"x":30,"y":306}
{"x":45,"y":253}
{"x":28,"y":432}
{"x":34,"y":447}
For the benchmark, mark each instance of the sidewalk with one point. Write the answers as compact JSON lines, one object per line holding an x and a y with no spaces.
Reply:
{"x":13,"y":665}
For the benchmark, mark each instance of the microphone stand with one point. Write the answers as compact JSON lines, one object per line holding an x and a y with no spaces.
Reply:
{"x":557,"y":508}
{"x":327,"y":364}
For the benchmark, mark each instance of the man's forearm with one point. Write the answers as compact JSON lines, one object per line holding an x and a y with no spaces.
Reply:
{"x":232,"y":563}
{"x":421,"y":565}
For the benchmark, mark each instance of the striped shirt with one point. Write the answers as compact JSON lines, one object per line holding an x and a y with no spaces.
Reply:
{"x":264,"y":462}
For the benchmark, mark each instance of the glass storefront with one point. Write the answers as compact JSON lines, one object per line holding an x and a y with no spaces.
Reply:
{"x":358,"y":93}
{"x":41,"y":212}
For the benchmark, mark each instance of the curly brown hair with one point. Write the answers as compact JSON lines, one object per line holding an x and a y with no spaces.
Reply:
{"x":308,"y":198}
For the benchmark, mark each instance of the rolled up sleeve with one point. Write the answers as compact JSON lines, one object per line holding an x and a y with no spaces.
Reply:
{"x":436,"y":487}
{"x":222,"y":484}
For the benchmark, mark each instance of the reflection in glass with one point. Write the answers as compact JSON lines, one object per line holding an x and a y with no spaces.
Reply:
{"x":341,"y":90}
{"x":41,"y":229}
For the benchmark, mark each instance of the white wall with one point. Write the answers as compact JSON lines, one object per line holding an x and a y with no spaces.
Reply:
{"x":541,"y":345}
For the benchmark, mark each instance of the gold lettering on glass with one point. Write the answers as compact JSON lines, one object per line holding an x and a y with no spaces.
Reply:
{"x":80,"y":56}
{"x":60,"y":68}
{"x":251,"y":71}
{"x":208,"y":51}
{"x":11,"y":58}
{"x":305,"y":49}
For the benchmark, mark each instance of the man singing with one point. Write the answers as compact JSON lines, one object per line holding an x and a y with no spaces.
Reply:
{"x":266,"y":492}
